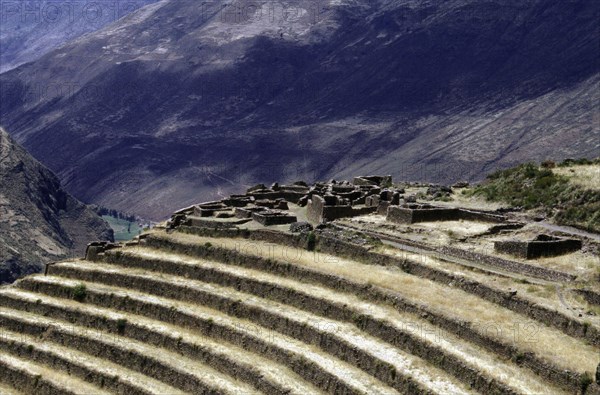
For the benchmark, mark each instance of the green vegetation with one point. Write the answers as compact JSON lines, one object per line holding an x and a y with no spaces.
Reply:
{"x":537,"y":187}
{"x":518,"y":357}
{"x":121,"y":324}
{"x":585,"y":380}
{"x":124,"y":229}
{"x":79,"y":292}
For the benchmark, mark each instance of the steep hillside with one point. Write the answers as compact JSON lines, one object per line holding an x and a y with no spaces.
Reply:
{"x":31,"y":29}
{"x":39,"y":221}
{"x":569,"y":193}
{"x":181,"y":99}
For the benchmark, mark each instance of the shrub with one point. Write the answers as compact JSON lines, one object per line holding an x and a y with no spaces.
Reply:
{"x":311,"y":241}
{"x":79,"y":292}
{"x":518,"y":357}
{"x":548,"y":164}
{"x":121,"y":324}
{"x":584,"y":382}
{"x":532,"y":187}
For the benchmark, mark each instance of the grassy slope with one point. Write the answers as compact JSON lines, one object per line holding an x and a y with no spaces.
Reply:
{"x":567,"y":193}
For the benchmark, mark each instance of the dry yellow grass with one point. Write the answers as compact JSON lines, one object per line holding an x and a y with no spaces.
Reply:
{"x":485,"y":317}
{"x":524,"y":382}
{"x":587,"y":176}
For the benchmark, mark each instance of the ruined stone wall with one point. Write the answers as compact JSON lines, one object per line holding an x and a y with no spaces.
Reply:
{"x":335,"y":212}
{"x":552,"y":248}
{"x":514,"y":248}
{"x":382,"y":208}
{"x":400,"y":215}
{"x":207,"y":223}
{"x":470,"y":215}
{"x":292,"y":196}
{"x":536,"y":249}
{"x":267,"y":218}
{"x":405,"y":215}
{"x":314,"y":208}
{"x":590,"y":296}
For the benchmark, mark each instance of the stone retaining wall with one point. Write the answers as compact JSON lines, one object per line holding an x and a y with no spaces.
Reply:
{"x":403,"y":339}
{"x":568,"y":325}
{"x":565,"y":379}
{"x":410,"y":215}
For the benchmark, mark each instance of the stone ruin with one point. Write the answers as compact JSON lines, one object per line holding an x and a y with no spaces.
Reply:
{"x":410,"y":213}
{"x":324,"y":201}
{"x":365,"y":195}
{"x":540,"y":246}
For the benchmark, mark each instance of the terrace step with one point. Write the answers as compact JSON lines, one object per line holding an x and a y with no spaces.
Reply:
{"x":160,"y":364}
{"x":325,"y":371}
{"x":472,"y":364}
{"x":352,"y":343}
{"x":546,"y":350}
{"x":31,"y":378}
{"x":6,"y":389}
{"x":263,"y":373}
{"x":100,"y":372}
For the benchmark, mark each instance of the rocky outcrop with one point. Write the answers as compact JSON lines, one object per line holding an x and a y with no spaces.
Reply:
{"x":39,"y":221}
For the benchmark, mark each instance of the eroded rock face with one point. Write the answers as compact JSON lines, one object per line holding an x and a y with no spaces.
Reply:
{"x":188,"y":98}
{"x":39,"y":221}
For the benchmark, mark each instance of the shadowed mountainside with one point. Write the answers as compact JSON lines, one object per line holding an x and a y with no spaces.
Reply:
{"x":39,"y":221}
{"x":31,"y":29}
{"x":181,"y":99}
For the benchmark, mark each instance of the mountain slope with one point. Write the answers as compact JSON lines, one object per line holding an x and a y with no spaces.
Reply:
{"x":39,"y":221}
{"x":187,"y":99}
{"x":31,"y":29}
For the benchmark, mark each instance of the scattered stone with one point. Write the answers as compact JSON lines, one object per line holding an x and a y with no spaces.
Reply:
{"x":439,"y":190}
{"x":256,"y":188}
{"x":298,"y":227}
{"x":461,"y":184}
